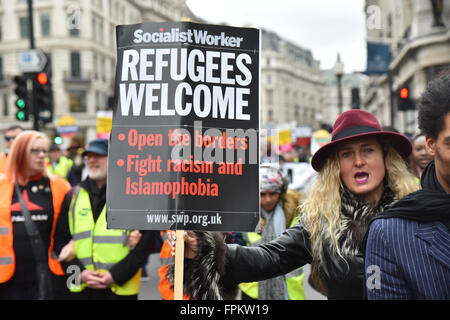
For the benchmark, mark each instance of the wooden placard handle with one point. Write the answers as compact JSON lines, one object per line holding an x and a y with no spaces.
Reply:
{"x":179,"y":265}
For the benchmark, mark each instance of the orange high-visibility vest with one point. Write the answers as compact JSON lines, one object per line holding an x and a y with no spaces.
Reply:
{"x":2,"y":161}
{"x":165,"y":287}
{"x":59,"y":188}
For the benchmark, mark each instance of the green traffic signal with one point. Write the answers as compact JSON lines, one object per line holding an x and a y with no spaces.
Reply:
{"x":20,"y":103}
{"x":20,"y":115}
{"x":58,"y":140}
{"x":21,"y":91}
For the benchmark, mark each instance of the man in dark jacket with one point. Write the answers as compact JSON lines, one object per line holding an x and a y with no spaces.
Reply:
{"x":408,"y":251}
{"x":105,"y":265}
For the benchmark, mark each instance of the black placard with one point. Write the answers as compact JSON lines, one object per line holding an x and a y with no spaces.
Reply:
{"x":184,"y":141}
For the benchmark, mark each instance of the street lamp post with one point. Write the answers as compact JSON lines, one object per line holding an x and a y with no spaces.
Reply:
{"x":339,"y":72}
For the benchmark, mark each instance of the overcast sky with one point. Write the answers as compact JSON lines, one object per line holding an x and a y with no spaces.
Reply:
{"x":322,"y":26}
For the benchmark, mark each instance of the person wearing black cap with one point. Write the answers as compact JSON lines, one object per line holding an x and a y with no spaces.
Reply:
{"x":410,"y":243}
{"x":109,"y":268}
{"x":360,"y":173}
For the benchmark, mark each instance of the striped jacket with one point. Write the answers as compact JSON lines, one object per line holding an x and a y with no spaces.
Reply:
{"x":407,"y":259}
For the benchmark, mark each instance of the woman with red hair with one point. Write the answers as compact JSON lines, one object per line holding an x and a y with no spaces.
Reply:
{"x":30,"y":203}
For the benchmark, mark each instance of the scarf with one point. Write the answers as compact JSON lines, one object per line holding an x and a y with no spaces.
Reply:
{"x":429,"y":204}
{"x":356,"y":216}
{"x":274,"y":288}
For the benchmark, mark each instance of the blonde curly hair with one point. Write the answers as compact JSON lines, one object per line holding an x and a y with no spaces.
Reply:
{"x":321,"y":210}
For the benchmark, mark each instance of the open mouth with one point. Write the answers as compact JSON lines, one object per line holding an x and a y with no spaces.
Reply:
{"x":361,"y":177}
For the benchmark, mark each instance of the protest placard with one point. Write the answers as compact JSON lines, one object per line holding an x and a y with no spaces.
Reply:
{"x":184,"y":140}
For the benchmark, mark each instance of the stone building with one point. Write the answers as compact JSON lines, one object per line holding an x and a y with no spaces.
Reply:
{"x":78,"y":37}
{"x":291,"y":83}
{"x":418,"y":35}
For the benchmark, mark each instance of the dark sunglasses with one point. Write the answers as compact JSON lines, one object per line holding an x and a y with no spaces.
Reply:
{"x":9,"y":138}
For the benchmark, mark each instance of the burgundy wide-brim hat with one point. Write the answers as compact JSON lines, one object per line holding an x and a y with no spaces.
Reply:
{"x":356,"y":123}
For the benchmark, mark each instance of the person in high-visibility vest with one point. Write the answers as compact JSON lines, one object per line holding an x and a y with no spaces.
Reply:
{"x":29,"y":270}
{"x":165,"y":287}
{"x":278,"y":213}
{"x":58,"y":164}
{"x":9,"y":135}
{"x":107,"y":267}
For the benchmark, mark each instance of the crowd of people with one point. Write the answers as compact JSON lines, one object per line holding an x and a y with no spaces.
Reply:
{"x":367,"y":228}
{"x":54,"y":240}
{"x":373,"y":224}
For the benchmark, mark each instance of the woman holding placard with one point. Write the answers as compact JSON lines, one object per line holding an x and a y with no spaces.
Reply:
{"x":360,"y":174}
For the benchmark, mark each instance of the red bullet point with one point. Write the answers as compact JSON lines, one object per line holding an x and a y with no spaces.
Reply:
{"x":120,"y":162}
{"x":121,"y":136}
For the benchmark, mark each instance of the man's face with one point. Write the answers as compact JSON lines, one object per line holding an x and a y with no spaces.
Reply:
{"x":10,"y":135}
{"x":440,"y":148}
{"x":97,"y":166}
{"x":54,"y":155}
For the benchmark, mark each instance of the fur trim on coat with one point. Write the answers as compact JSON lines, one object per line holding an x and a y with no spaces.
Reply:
{"x":202,"y":274}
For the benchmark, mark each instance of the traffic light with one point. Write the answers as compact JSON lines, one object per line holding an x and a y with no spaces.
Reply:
{"x":44,"y":97}
{"x":355,"y":98}
{"x":22,"y":102}
{"x":404,"y":101}
{"x":57,"y":140}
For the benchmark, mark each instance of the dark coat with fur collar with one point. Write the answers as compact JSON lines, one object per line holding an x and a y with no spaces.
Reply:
{"x":219,"y":267}
{"x":342,"y":279}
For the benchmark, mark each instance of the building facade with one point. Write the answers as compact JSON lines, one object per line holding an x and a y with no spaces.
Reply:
{"x":418,"y":35}
{"x":78,"y":37}
{"x":291,"y":83}
{"x":353,"y":89}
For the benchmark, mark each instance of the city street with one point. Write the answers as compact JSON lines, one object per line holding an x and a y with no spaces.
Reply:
{"x":296,"y":132}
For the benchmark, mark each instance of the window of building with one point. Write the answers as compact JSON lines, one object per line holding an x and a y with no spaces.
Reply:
{"x":100,"y":31}
{"x":94,"y":29}
{"x":1,"y":33}
{"x":95,"y":67}
{"x":102,"y":68}
{"x":1,"y":69}
{"x":5,"y":105}
{"x":97,"y":100}
{"x":77,"y":101}
{"x":73,"y":22}
{"x":74,"y":32}
{"x":48,"y":68}
{"x":45,"y":25}
{"x":23,"y":26}
{"x":75,"y":66}
{"x":113,"y":35}
{"x":269,"y":95}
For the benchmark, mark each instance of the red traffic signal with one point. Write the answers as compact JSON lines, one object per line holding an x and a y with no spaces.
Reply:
{"x":404,"y":93}
{"x":42,"y":78}
{"x":404,"y":100}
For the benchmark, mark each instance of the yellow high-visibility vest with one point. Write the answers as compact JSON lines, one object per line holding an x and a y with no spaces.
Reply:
{"x":62,"y":168}
{"x":294,"y":279}
{"x":97,"y":247}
